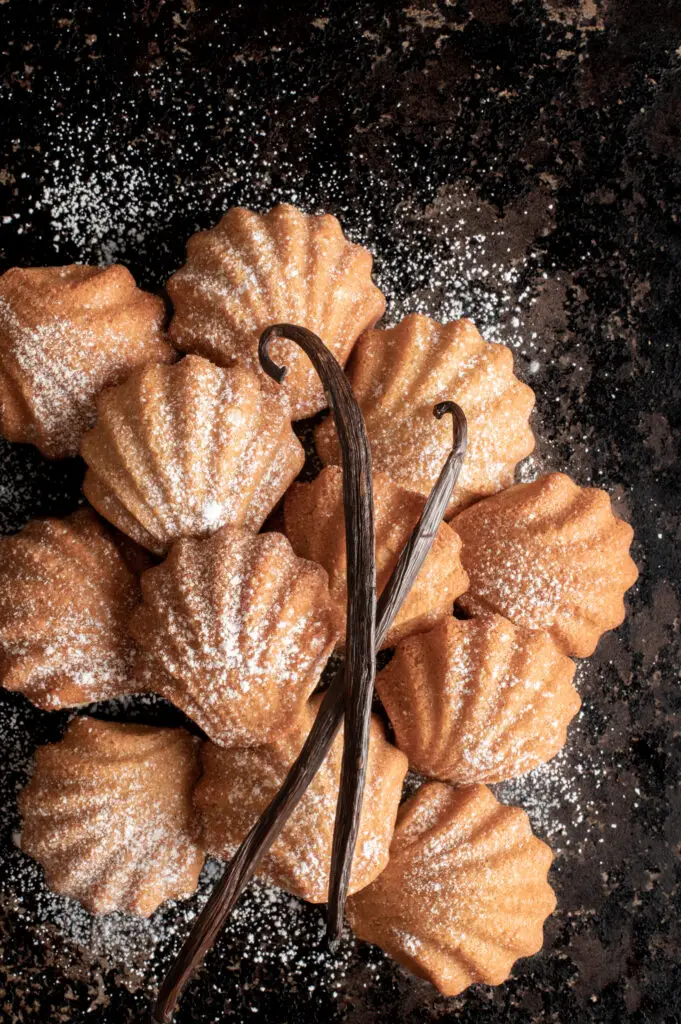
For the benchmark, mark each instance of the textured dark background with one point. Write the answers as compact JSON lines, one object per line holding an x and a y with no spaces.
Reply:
{"x":547,"y":131}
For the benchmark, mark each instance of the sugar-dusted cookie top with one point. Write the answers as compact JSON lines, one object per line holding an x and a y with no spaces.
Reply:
{"x":479,"y":700}
{"x":285,"y":266}
{"x":66,"y":595}
{"x":179,"y":451}
{"x":235,"y":630}
{"x":108,"y":813}
{"x":464,"y":894}
{"x":66,"y":333}
{"x":399,"y":374}
{"x":549,"y":555}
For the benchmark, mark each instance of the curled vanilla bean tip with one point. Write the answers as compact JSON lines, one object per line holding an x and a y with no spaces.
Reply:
{"x":272,"y":369}
{"x":460,"y":425}
{"x":443,"y":407}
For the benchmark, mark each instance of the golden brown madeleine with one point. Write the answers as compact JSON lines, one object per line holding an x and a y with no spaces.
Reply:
{"x":549,"y":555}
{"x":108,"y":813}
{"x":66,"y":595}
{"x":315,"y":525}
{"x":464,"y":894}
{"x":478,"y":701}
{"x":179,"y":451}
{"x":235,"y":630}
{"x":238,"y":784}
{"x":66,"y":333}
{"x":253,"y":270}
{"x":399,"y":374}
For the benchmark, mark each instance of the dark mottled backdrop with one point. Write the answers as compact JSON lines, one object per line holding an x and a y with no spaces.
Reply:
{"x":516,"y":161}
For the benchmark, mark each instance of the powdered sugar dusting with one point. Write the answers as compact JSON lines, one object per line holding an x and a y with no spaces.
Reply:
{"x":65,"y":333}
{"x":235,"y":630}
{"x":65,"y":597}
{"x":478,"y":701}
{"x":108,"y":814}
{"x":458,"y":261}
{"x":268,"y":927}
{"x":61,"y":395}
{"x":183,"y":450}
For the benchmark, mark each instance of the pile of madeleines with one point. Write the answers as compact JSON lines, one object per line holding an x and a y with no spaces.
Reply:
{"x":168,"y":585}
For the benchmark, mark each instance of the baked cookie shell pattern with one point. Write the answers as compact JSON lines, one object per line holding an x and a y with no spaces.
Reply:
{"x":464,"y":894}
{"x":238,"y":783}
{"x":479,"y":700}
{"x":285,"y":266}
{"x":66,"y":595}
{"x":399,"y":374}
{"x":235,"y":630}
{"x":549,"y":555}
{"x":109,"y":816}
{"x":315,"y":525}
{"x":179,"y":451}
{"x":66,"y":333}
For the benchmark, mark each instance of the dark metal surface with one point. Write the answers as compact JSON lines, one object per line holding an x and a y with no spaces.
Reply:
{"x":519,"y":162}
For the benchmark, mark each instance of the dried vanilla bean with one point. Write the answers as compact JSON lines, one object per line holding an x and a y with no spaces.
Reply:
{"x":360,"y":661}
{"x":356,"y":755}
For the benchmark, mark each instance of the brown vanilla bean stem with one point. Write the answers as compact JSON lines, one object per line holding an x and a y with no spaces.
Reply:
{"x":360,"y":542}
{"x":266,"y":830}
{"x":356,"y":734}
{"x":358,"y":500}
{"x":415,"y":551}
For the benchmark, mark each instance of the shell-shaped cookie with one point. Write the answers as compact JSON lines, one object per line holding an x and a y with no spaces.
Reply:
{"x":478,"y":701}
{"x":179,"y":451}
{"x":66,"y":333}
{"x":400,"y":373}
{"x":66,"y":594}
{"x":549,"y":555}
{"x":285,"y":266}
{"x":315,"y":525}
{"x":108,"y":813}
{"x":238,"y":784}
{"x":464,"y":894}
{"x":235,"y":630}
